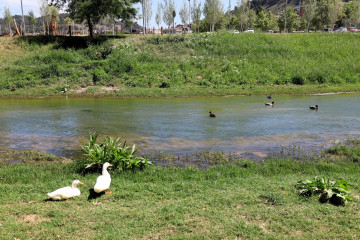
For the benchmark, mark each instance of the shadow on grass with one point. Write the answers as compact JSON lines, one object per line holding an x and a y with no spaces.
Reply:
{"x":94,"y":195}
{"x":65,"y":42}
{"x":52,"y":200}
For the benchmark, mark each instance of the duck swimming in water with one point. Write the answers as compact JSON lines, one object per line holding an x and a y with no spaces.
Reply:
{"x":211,"y":114}
{"x":270,"y":104}
{"x":316,"y":107}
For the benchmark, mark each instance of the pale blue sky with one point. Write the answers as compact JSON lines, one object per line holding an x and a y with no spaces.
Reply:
{"x":15,"y":8}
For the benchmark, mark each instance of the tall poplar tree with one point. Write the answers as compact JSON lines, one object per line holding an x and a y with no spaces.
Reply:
{"x":213,"y":11}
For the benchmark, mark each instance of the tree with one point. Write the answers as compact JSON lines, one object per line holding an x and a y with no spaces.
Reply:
{"x":272,"y":21}
{"x":184,"y":14}
{"x":326,"y":13}
{"x":213,"y":11}
{"x":309,"y":12}
{"x":158,"y":15}
{"x":196,"y":13}
{"x":32,"y":19}
{"x":335,"y":11}
{"x":168,"y":8}
{"x":94,"y":10}
{"x":44,"y":13}
{"x":53,"y":14}
{"x":148,"y":12}
{"x":351,"y":11}
{"x":291,"y":20}
{"x":8,"y":18}
{"x":262,"y":21}
{"x":242,"y":12}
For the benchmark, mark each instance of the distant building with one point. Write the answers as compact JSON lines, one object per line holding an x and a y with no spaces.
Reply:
{"x":299,"y":11}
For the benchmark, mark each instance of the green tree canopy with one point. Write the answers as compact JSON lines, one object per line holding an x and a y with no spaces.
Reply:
{"x":291,"y":20}
{"x":265,"y":20}
{"x":352,"y":13}
{"x":32,"y":19}
{"x":93,"y":11}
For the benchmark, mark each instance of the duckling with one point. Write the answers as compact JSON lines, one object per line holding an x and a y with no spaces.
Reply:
{"x":269,"y":97}
{"x":270,"y":104}
{"x":211,"y":114}
{"x":316,"y":107}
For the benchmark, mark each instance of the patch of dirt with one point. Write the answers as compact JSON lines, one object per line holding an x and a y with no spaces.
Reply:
{"x":102,"y":89}
{"x":357,"y":197}
{"x":33,"y":219}
{"x":263,"y":227}
{"x":81,"y":90}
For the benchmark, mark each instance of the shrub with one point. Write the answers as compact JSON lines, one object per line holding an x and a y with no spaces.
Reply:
{"x":111,"y":150}
{"x":336,"y":193}
{"x":100,"y":77}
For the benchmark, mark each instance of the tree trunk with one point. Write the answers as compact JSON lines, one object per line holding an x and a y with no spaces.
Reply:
{"x":90,"y":27}
{"x":308,"y":25}
{"x":9,"y":29}
{"x":285,"y":16}
{"x":143,"y":13}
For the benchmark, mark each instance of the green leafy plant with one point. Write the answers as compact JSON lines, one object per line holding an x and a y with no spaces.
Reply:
{"x":121,"y":156}
{"x":336,"y":193}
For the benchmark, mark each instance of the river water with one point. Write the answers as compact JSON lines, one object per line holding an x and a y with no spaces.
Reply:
{"x":243,"y":125}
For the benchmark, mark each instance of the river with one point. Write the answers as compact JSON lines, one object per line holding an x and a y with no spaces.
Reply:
{"x":243,"y":125}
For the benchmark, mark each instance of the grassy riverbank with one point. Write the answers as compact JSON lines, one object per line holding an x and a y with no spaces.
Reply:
{"x":193,"y":65}
{"x":231,"y":200}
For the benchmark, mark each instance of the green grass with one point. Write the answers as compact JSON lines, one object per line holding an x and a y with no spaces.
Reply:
{"x":192,"y":65}
{"x":234,"y":200}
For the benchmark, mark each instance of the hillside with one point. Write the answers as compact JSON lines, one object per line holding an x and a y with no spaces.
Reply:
{"x":272,"y":5}
{"x":199,"y":64}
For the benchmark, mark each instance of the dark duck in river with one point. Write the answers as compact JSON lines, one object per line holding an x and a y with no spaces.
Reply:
{"x":316,"y":107}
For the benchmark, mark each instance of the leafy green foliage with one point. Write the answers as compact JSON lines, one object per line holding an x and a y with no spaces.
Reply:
{"x":336,"y":193}
{"x":111,"y":150}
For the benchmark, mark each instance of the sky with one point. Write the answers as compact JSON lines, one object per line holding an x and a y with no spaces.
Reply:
{"x":15,"y":8}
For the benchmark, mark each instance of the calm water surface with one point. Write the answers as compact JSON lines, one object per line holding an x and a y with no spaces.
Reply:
{"x":180,"y":125}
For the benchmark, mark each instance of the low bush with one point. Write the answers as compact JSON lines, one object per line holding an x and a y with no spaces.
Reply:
{"x":336,"y":193}
{"x":121,"y":156}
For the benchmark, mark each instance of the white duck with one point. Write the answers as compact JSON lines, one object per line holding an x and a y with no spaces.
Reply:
{"x":103,"y":181}
{"x":66,"y":192}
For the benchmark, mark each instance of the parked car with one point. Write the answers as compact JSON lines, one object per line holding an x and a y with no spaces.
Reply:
{"x":187,"y":30}
{"x":353,"y":29}
{"x":269,"y":31}
{"x":234,"y":31}
{"x":328,"y":30}
{"x":341,"y":29}
{"x":249,"y":30}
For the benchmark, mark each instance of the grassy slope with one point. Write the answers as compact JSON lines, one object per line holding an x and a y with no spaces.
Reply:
{"x":223,"y":202}
{"x":205,"y":64}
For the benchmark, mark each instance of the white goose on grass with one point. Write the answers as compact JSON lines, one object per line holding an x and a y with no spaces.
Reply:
{"x":103,"y":181}
{"x":66,"y":192}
